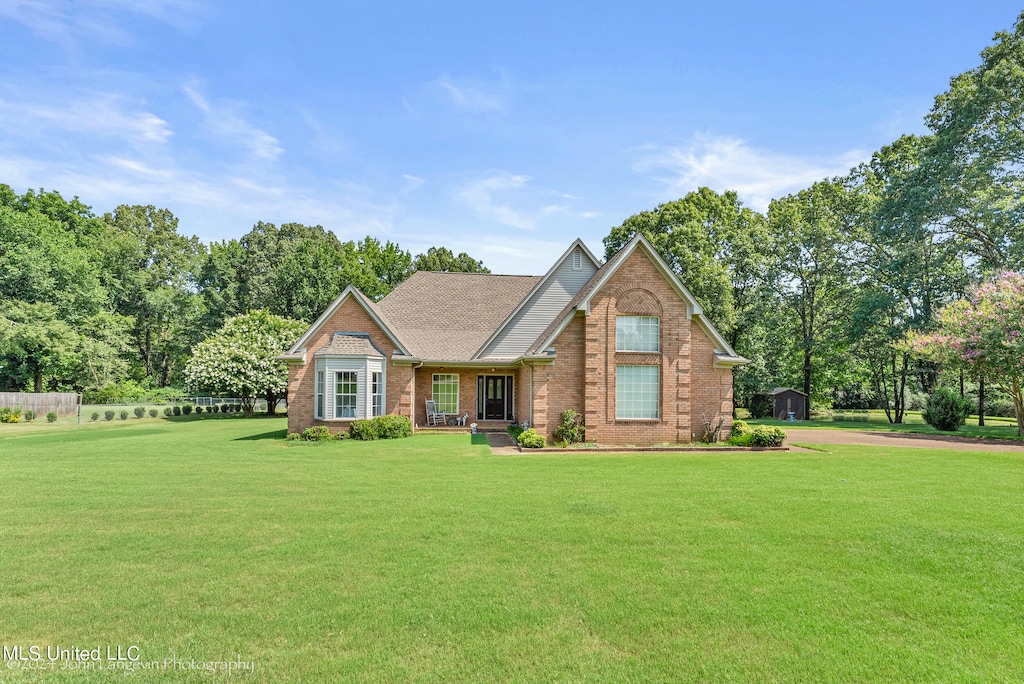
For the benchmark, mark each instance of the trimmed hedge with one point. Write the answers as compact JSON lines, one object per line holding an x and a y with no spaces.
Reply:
{"x":381,"y":427}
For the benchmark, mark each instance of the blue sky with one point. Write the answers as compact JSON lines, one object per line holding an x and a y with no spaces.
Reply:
{"x":502,"y":129}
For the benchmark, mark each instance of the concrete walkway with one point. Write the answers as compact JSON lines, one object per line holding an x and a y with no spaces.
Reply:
{"x":899,"y":439}
{"x":501,"y":443}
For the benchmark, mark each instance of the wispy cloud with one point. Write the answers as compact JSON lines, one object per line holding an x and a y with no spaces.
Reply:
{"x":729,"y":163}
{"x":480,"y":196}
{"x":67,"y":23}
{"x":225,"y":123}
{"x":475,"y":97}
{"x":104,"y":114}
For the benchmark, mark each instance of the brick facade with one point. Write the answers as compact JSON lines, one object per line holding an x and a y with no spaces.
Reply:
{"x":582,"y":376}
{"x":349,"y":317}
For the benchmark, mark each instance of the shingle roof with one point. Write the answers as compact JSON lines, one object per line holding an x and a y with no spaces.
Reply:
{"x":448,"y":316}
{"x":350,"y":343}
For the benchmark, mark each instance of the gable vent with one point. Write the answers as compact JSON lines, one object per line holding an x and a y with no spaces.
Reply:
{"x":577,"y":260}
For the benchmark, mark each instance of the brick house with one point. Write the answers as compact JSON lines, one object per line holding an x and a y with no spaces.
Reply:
{"x":624,"y":343}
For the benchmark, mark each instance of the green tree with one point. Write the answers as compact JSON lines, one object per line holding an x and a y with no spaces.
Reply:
{"x":904,"y":271}
{"x":815,"y":229}
{"x":149,"y":268}
{"x":38,"y":349}
{"x":441,"y":260}
{"x":971,"y":181}
{"x":239,"y":359}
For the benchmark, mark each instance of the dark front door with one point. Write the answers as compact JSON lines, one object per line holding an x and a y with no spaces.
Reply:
{"x":494,"y":397}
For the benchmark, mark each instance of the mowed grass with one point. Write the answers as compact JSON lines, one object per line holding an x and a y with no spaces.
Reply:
{"x":875,"y":420}
{"x":430,"y":559}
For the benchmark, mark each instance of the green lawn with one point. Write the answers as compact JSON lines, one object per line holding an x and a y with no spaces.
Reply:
{"x":430,"y":559}
{"x":875,"y":419}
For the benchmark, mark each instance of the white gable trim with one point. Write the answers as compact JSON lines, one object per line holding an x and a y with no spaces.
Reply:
{"x":577,"y":243}
{"x":693,"y":309}
{"x":360,"y":298}
{"x":639,"y":241}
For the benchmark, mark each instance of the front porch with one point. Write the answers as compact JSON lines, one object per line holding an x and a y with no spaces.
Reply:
{"x":489,"y":397}
{"x":481,"y":426}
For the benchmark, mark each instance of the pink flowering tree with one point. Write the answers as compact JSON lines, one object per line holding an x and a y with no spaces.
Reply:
{"x":985,"y":336}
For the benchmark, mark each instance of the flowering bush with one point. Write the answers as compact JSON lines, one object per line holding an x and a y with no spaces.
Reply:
{"x":985,"y":336}
{"x":240,"y":359}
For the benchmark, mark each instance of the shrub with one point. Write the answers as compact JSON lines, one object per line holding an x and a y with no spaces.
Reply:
{"x":317,"y":433}
{"x":216,"y":409}
{"x":381,"y":427}
{"x":529,"y":439}
{"x":9,"y":415}
{"x":29,"y":416}
{"x":109,"y":414}
{"x":153,"y":413}
{"x":168,"y":411}
{"x":95,"y":416}
{"x":571,"y":430}
{"x":187,"y":409}
{"x":51,"y":417}
{"x":767,"y":436}
{"x":124,"y":414}
{"x":946,"y":410}
{"x":1000,"y":407}
{"x":761,"y":406}
{"x":740,"y":428}
{"x":199,"y":409}
{"x":292,"y":436}
{"x":515,"y":431}
{"x":176,"y":410}
{"x":140,"y":411}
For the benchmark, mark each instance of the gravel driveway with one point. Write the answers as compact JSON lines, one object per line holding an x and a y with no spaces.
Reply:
{"x":899,"y":439}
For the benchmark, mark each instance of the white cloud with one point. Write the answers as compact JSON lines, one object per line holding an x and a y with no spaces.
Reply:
{"x":412,"y":183}
{"x":729,"y":163}
{"x":106,"y":114}
{"x":68,"y":23}
{"x":477,"y":97}
{"x":479,"y":196}
{"x":224,"y":123}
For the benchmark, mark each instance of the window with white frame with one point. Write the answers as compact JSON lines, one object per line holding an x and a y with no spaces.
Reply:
{"x":637,"y":389}
{"x":445,"y":392}
{"x":377,"y":393}
{"x":637,"y":333}
{"x":320,"y":394}
{"x":346,"y":394}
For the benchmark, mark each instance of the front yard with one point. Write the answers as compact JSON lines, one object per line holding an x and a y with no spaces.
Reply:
{"x":429,"y":558}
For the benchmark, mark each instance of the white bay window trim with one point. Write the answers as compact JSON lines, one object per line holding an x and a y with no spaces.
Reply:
{"x":344,"y":387}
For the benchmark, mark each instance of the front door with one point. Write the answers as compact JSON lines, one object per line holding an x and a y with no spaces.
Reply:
{"x":494,"y":397}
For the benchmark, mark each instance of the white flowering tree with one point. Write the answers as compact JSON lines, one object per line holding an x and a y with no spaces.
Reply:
{"x":239,"y":359}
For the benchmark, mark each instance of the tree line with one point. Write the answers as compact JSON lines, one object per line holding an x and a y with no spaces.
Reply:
{"x":830,"y":291}
{"x":114,"y":305}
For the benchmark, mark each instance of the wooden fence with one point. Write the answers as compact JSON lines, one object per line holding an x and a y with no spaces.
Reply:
{"x":61,"y":403}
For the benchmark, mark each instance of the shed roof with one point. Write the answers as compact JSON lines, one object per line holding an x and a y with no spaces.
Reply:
{"x":780,"y":390}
